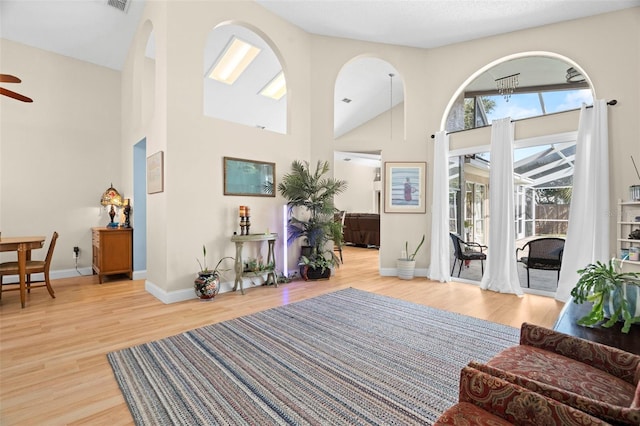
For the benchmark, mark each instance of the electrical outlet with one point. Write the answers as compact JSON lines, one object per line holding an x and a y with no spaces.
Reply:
{"x":76,"y":252}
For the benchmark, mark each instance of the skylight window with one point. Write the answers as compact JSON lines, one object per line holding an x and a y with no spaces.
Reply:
{"x":276,"y":88}
{"x":234,"y":60}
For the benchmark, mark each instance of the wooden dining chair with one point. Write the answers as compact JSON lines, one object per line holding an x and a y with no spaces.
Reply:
{"x":339,"y":217}
{"x":32,"y":267}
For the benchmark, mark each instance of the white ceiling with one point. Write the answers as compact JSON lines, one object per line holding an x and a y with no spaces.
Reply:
{"x":90,"y":30}
{"x":432,"y":23}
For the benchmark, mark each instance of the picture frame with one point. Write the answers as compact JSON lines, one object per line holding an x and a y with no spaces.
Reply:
{"x":155,"y":173}
{"x":405,"y":186}
{"x":249,"y":177}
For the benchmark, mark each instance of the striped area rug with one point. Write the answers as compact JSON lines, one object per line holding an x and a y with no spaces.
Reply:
{"x":348,"y":357}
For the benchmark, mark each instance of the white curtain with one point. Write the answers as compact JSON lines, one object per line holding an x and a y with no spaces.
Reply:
{"x":501,"y":273}
{"x":590,"y":212}
{"x":439,"y":266}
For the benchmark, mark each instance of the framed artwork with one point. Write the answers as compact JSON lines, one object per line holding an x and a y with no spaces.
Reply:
{"x":249,"y":177}
{"x":405,"y":187}
{"x":155,"y":173}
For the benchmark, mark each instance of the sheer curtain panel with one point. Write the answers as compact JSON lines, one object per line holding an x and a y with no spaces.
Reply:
{"x":501,"y":273}
{"x":590,"y":211}
{"x":439,"y":266}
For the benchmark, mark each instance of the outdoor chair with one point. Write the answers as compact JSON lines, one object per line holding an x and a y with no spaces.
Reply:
{"x":467,"y":251}
{"x":543,"y":253}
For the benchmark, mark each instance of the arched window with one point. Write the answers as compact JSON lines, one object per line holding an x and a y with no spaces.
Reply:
{"x":244,"y":80}
{"x":519,"y":88}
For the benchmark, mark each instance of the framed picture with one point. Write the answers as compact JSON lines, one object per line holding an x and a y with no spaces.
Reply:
{"x":155,"y":173}
{"x":405,"y":187}
{"x":249,"y":177}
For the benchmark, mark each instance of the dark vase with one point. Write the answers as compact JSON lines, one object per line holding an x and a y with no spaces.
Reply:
{"x":207,"y":285}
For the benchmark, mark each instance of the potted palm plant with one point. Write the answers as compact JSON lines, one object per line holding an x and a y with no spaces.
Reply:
{"x":407,"y":263}
{"x":207,"y":283}
{"x":309,"y":194}
{"x":615,"y":295}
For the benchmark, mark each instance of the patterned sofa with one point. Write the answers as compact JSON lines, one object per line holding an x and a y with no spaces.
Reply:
{"x":488,"y":400}
{"x":597,"y":379}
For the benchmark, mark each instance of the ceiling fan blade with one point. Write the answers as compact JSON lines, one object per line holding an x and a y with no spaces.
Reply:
{"x":8,"y":78}
{"x":14,"y":95}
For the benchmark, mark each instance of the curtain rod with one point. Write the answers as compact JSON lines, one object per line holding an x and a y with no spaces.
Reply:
{"x":611,"y":102}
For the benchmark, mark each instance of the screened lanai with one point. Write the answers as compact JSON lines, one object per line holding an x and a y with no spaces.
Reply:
{"x":543,"y":171}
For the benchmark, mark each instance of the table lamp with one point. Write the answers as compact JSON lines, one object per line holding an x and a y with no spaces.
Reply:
{"x":111,"y":197}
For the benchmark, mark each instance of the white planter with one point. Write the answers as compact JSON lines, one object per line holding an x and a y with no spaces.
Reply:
{"x":406,"y":269}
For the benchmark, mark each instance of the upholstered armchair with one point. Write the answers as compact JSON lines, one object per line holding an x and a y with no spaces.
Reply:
{"x":597,"y":379}
{"x":488,"y":400}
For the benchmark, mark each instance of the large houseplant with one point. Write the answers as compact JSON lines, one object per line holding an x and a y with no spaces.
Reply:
{"x":615,"y":294}
{"x":309,"y":194}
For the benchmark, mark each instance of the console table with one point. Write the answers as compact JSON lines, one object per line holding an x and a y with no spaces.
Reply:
{"x":572,"y":312}
{"x":239,"y":240}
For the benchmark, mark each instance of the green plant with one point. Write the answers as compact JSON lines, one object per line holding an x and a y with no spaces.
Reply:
{"x":411,"y":256}
{"x":204,"y":269}
{"x":600,"y":283}
{"x":313,"y":192}
{"x":317,"y":262}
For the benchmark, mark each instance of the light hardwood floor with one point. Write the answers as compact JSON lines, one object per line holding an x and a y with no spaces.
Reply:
{"x":53,"y":365}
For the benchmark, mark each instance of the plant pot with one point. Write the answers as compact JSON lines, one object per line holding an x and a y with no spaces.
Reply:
{"x":313,"y":274}
{"x":207,"y":285}
{"x":406,"y":269}
{"x":628,"y":292}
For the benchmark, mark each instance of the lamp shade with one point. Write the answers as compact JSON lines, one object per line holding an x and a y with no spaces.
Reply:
{"x":111,"y":197}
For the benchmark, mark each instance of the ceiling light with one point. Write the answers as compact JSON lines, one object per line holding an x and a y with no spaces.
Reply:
{"x":234,"y":60}
{"x":276,"y":88}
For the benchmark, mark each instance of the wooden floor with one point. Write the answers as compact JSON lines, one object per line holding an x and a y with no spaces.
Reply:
{"x":53,"y":368}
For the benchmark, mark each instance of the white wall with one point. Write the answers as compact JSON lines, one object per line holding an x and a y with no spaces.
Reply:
{"x":68,"y":138}
{"x":59,"y":153}
{"x":607,"y":47}
{"x":359,"y":196}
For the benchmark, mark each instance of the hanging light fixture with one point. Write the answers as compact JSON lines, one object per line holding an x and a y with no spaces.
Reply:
{"x":506,"y":85}
{"x":574,"y":76}
{"x":391,"y":75}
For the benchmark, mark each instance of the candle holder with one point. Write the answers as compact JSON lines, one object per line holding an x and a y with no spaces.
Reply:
{"x":242,"y":222}
{"x":244,"y":225}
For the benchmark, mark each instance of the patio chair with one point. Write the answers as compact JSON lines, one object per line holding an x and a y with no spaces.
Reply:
{"x":467,"y":251}
{"x":544,"y":254}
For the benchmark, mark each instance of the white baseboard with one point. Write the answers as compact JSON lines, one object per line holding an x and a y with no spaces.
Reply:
{"x":393,"y":272}
{"x":54,"y":275}
{"x":188,"y":293}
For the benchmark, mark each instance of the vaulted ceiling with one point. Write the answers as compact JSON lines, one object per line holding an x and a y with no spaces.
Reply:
{"x":93,"y":31}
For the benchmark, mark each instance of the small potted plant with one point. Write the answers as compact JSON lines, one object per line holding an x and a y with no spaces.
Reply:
{"x":317,"y":267}
{"x":407,"y":263}
{"x":207,"y":284}
{"x":615,"y":294}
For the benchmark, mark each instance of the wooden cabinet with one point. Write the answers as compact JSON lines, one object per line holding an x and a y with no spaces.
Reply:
{"x":112,"y":251}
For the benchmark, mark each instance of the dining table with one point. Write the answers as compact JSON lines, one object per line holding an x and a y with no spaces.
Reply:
{"x":22,"y":245}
